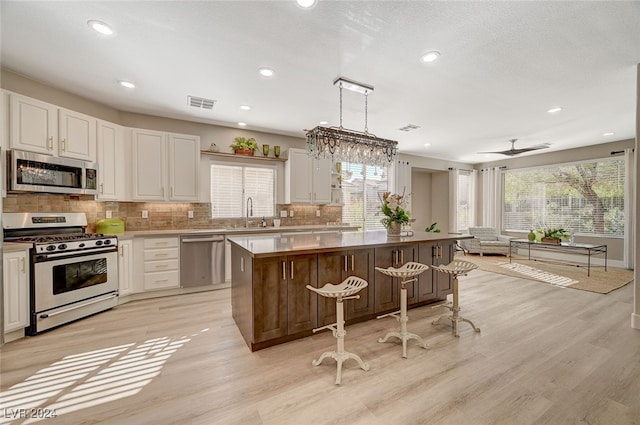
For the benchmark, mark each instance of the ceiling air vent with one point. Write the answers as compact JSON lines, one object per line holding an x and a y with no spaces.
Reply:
{"x":200,"y":102}
{"x":409,"y":127}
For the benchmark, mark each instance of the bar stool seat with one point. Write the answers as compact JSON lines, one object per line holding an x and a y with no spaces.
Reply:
{"x":345,"y":290}
{"x":456,"y":268}
{"x":407,"y":273}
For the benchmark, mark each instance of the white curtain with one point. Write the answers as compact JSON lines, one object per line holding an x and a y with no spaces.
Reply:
{"x":453,"y":200}
{"x":492,"y":198}
{"x":629,"y":210}
{"x":402,"y":181}
{"x":472,"y":198}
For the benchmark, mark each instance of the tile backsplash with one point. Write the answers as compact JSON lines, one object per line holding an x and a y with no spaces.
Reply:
{"x":162,"y":215}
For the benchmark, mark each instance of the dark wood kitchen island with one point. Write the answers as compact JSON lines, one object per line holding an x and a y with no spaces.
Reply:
{"x":269,"y":299}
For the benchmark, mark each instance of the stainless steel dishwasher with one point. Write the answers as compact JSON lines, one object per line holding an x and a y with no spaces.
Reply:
{"x":201,"y":260}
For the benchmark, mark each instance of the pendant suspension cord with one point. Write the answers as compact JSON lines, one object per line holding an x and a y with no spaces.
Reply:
{"x":340,"y":105}
{"x":366,"y":105}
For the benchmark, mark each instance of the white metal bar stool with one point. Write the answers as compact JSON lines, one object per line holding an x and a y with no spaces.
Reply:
{"x":456,"y":268}
{"x":343,"y":291}
{"x":407,"y":273}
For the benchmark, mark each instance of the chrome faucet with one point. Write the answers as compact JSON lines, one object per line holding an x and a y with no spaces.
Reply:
{"x":248,"y":211}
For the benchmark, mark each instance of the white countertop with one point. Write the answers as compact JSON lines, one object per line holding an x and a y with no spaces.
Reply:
{"x":15,"y":246}
{"x":234,"y":230}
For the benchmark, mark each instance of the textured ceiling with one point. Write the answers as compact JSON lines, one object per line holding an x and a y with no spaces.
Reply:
{"x":502,"y":66}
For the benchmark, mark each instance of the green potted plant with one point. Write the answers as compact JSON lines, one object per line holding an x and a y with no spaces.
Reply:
{"x":244,"y":146}
{"x":433,"y":228}
{"x":554,"y":236}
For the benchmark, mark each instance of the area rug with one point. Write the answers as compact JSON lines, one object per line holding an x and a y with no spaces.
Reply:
{"x":563,"y":275}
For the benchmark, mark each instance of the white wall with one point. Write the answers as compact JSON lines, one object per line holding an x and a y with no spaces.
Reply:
{"x":635,"y":316}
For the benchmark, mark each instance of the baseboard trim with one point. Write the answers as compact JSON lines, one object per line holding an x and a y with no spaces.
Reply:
{"x":635,"y":321}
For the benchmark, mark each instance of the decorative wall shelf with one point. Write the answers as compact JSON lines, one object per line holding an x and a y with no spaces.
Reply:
{"x":258,"y":157}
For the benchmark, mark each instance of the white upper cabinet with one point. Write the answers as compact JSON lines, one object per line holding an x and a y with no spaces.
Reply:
{"x":77,"y":135}
{"x":40,"y":127}
{"x":148,"y":167}
{"x":111,"y":161}
{"x":165,"y":166}
{"x":184,"y":162}
{"x":307,"y":180}
{"x":34,"y":125}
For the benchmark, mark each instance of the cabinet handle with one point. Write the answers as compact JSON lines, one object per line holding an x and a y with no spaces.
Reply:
{"x":50,"y":143}
{"x":345,"y":264}
{"x":121,"y":251}
{"x":242,"y":264}
{"x":440,"y":252}
{"x":310,"y":198}
{"x":402,"y":256}
{"x":162,"y":254}
{"x":395,"y":256}
{"x":161,"y":266}
{"x":62,"y":145}
{"x":162,"y":280}
{"x":172,"y":191}
{"x":284,"y":270}
{"x":101,"y":188}
{"x":291,"y":271}
{"x":163,"y":191}
{"x":352,"y":262}
{"x":23,"y":262}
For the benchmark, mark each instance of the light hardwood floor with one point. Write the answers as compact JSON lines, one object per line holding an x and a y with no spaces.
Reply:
{"x":546,"y":355}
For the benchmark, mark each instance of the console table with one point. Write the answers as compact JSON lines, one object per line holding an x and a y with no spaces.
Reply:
{"x":576,"y":248}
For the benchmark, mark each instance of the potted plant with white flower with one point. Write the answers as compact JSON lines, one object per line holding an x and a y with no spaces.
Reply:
{"x":394,"y":207}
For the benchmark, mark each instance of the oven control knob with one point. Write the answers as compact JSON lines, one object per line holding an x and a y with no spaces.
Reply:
{"x":62,"y":246}
{"x":107,"y":242}
{"x":51,"y":248}
{"x":81,"y":245}
{"x":98,"y":243}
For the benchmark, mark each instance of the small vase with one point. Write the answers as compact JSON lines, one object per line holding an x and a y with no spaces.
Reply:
{"x":393,"y":230}
{"x":265,"y":150}
{"x":531,"y":236}
{"x":276,"y":151}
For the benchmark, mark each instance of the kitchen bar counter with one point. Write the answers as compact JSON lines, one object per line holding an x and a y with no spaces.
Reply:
{"x":267,"y":246}
{"x":271,"y":304}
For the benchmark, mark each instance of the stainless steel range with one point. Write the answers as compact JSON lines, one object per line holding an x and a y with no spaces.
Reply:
{"x":73,"y":273}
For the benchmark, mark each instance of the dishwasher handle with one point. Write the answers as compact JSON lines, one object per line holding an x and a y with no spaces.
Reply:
{"x":194,"y":240}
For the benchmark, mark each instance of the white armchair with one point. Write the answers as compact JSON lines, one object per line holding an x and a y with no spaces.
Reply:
{"x":486,"y":240}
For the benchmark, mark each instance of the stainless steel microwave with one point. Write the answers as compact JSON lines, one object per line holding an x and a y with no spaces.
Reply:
{"x":32,"y":172}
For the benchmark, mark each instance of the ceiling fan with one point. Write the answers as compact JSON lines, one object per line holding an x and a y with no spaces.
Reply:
{"x":513,"y":151}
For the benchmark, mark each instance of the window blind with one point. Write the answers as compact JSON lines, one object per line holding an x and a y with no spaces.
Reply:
{"x":232,"y":185}
{"x":585,"y":197}
{"x":362,"y":187}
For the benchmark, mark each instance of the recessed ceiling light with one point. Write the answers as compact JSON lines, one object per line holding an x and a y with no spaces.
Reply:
{"x":306,"y":3}
{"x":266,"y":72}
{"x":245,"y":107}
{"x":426,"y":145}
{"x":242,"y":124}
{"x":430,"y":56}
{"x":608,"y":134}
{"x":324,"y":122}
{"x":554,"y":110}
{"x":127,"y":84}
{"x":100,"y":27}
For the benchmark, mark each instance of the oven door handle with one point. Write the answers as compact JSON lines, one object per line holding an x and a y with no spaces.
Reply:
{"x":96,"y":300}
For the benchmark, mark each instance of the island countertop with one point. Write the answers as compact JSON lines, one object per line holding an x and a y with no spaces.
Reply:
{"x":265,"y":246}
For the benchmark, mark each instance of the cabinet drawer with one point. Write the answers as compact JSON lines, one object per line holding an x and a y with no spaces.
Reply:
{"x":161,"y":243}
{"x":161,"y":266}
{"x":161,"y":280}
{"x":161,"y":254}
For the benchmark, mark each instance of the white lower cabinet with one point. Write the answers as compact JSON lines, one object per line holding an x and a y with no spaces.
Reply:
{"x":161,"y":263}
{"x":16,"y":290}
{"x":125,"y":267}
